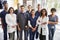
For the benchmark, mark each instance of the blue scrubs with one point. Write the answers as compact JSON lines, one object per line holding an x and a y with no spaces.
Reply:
{"x":29,"y":13}
{"x":3,"y":14}
{"x":37,"y":14}
{"x":33,"y":24}
{"x":51,"y":26}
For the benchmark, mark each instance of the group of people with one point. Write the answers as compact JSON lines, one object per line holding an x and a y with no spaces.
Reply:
{"x":33,"y":23}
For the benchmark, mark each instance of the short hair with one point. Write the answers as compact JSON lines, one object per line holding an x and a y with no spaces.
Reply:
{"x":29,"y":5}
{"x":32,"y":10}
{"x":22,"y":6}
{"x":10,"y":9}
{"x":53,"y":9}
{"x":42,"y":11}
{"x":38,"y":4}
{"x":5,"y":2}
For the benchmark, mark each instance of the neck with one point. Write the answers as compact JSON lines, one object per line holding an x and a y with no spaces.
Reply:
{"x":6,"y":10}
{"x":33,"y":15}
{"x":52,"y":15}
{"x":38,"y":10}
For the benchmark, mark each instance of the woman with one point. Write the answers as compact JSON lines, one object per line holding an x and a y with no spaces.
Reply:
{"x":53,"y":20}
{"x":11,"y":23}
{"x":32,"y":24}
{"x":42,"y":22}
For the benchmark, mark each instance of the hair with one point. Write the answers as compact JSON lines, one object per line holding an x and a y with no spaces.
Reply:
{"x":22,"y":6}
{"x":10,"y":9}
{"x":42,"y":11}
{"x":53,"y":9}
{"x":32,"y":10}
{"x":29,"y":5}
{"x":5,"y":2}
{"x":38,"y":4}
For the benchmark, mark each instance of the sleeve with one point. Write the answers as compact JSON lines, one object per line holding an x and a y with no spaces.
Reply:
{"x":29,"y":24}
{"x":7,"y":21}
{"x":38,"y":21}
{"x":16,"y":19}
{"x":56,"y":18}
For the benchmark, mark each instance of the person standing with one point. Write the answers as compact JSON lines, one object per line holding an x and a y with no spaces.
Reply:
{"x":11,"y":23}
{"x":37,"y":14}
{"x":22,"y":18}
{"x":3,"y":14}
{"x":29,"y":10}
{"x":38,"y":11}
{"x":53,"y":20}
{"x":32,"y":24}
{"x":43,"y":26}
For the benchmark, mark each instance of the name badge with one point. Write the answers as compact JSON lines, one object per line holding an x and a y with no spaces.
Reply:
{"x":52,"y":26}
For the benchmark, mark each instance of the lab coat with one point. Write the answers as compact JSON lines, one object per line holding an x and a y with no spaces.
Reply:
{"x":11,"y":21}
{"x":44,"y":27}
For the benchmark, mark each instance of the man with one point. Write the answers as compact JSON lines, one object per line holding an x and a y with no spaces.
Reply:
{"x":22,"y":18}
{"x":37,"y":15}
{"x":29,"y":10}
{"x":3,"y":14}
{"x":18,"y":9}
{"x":38,"y":11}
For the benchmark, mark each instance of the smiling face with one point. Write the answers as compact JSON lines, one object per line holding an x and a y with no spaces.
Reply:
{"x":11,"y":10}
{"x":6,"y":6}
{"x":43,"y":12}
{"x":22,"y":9}
{"x":33,"y":12}
{"x":29,"y":7}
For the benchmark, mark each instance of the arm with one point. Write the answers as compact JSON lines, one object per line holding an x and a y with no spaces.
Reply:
{"x":54,"y":22}
{"x":30,"y":25}
{"x":38,"y":21}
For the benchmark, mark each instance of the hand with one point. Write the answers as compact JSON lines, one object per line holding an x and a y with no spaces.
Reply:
{"x":33,"y":29}
{"x":25,"y":26}
{"x":13,"y":26}
{"x":19,"y":29}
{"x":38,"y":20}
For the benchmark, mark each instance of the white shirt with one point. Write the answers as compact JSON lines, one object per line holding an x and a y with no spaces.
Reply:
{"x":11,"y":21}
{"x":44,"y":27}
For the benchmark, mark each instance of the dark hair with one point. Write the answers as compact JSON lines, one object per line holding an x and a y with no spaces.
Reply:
{"x":22,"y":6}
{"x":29,"y":5}
{"x":42,"y":11}
{"x":32,"y":10}
{"x":38,"y":4}
{"x":10,"y":9}
{"x":53,"y":9}
{"x":5,"y":2}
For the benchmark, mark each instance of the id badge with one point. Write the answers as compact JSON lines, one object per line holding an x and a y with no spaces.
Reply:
{"x":44,"y":31}
{"x":52,"y":26}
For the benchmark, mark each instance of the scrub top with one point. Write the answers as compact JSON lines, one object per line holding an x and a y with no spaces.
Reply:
{"x":52,"y":19}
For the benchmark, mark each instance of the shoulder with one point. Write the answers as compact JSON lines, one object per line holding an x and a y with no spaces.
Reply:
{"x":39,"y":17}
{"x":7,"y":15}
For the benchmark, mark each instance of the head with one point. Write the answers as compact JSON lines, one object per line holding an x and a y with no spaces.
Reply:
{"x":38,"y":7}
{"x":22,"y":8}
{"x":5,"y":4}
{"x":11,"y":10}
{"x":53,"y":10}
{"x":43,"y":12}
{"x":32,"y":12}
{"x":29,"y":7}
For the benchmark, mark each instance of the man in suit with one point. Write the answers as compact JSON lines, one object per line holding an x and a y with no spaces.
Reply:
{"x":22,"y":18}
